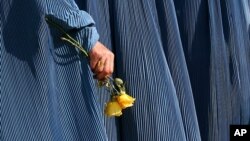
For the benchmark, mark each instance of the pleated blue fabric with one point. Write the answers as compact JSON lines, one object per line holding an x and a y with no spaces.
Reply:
{"x":215,"y":37}
{"x":47,"y":89}
{"x":185,"y":62}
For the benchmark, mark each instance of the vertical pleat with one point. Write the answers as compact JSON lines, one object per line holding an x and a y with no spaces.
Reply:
{"x":141,"y":61}
{"x":99,"y":10}
{"x":156,"y":114}
{"x":229,"y":74}
{"x":215,"y":40}
{"x":175,"y":56}
{"x":48,"y":91}
{"x":185,"y":62}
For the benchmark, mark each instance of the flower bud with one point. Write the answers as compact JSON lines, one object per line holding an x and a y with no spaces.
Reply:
{"x":118,"y":81}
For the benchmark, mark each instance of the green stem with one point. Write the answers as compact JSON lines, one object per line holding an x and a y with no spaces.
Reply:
{"x":76,"y":45}
{"x":68,"y":38}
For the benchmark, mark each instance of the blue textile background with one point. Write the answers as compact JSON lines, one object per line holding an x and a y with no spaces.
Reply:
{"x":185,"y":62}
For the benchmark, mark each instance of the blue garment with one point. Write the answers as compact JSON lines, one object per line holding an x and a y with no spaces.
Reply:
{"x":214,"y":36}
{"x":153,"y":66}
{"x":185,"y":62}
{"x":47,"y":89}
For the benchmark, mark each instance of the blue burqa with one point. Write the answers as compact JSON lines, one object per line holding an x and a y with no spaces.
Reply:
{"x":186,"y":63}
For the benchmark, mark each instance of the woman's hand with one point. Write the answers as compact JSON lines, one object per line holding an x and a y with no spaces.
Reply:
{"x":101,"y":61}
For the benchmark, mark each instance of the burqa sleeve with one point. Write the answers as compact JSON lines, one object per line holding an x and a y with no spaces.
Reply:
{"x":67,"y":14}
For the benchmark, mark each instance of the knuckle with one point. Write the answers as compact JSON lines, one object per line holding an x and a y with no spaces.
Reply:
{"x":108,"y":71}
{"x":112,"y":55}
{"x":98,"y":71}
{"x":111,"y":71}
{"x":94,"y":53}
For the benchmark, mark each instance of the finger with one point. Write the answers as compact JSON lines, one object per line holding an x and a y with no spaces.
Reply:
{"x":112,"y":64}
{"x":93,"y":61}
{"x":108,"y":68}
{"x":106,"y":72}
{"x":100,"y":66}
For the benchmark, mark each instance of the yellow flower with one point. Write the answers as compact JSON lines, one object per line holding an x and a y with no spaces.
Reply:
{"x":125,"y":100}
{"x":113,"y":109}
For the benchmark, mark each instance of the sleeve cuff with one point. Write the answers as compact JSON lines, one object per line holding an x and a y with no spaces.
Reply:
{"x":87,"y":37}
{"x":74,"y":20}
{"x":67,"y":14}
